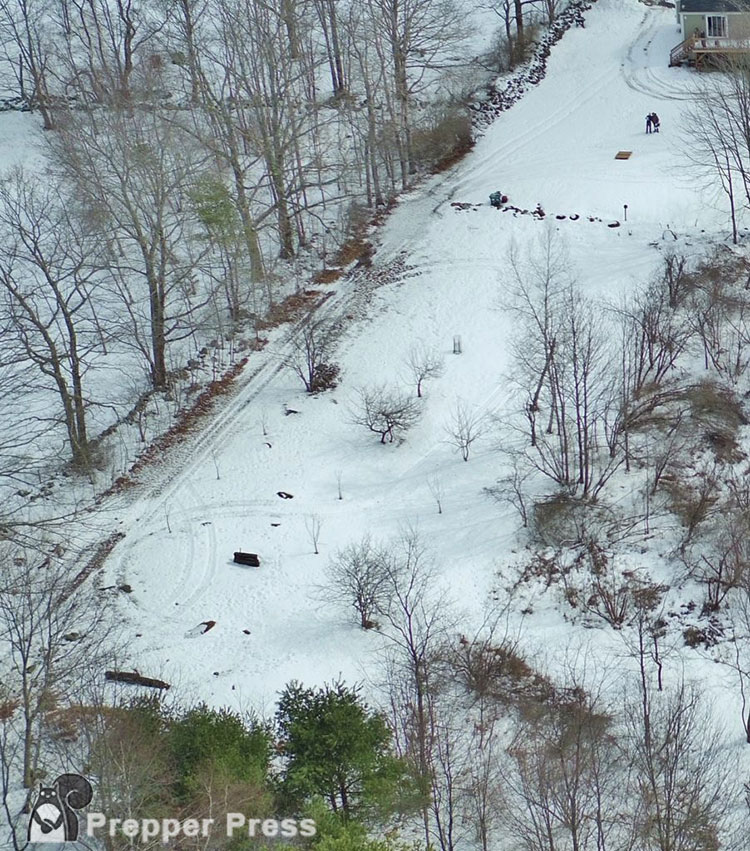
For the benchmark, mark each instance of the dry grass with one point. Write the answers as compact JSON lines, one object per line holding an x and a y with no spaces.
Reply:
{"x":292,"y":308}
{"x":99,"y":556}
{"x":455,"y":156}
{"x":719,"y":412}
{"x":498,"y":672}
{"x":7,"y":708}
{"x":328,"y":276}
{"x":691,"y":498}
{"x":356,"y":248}
{"x":562,"y":521}
{"x":707,"y":414}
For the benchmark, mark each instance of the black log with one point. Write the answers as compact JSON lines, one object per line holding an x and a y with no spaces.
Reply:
{"x":250,"y":559}
{"x":134,"y":678}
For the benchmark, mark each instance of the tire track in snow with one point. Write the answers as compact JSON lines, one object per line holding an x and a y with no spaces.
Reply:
{"x":532,"y":132}
{"x":639,"y":75}
{"x":209,"y":570}
{"x":217,"y":431}
{"x":153,"y":496}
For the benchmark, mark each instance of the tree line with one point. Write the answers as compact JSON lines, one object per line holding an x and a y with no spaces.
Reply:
{"x":202,"y":159}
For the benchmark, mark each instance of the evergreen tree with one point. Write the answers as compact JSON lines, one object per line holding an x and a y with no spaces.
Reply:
{"x":337,"y":748}
{"x":204,"y":739}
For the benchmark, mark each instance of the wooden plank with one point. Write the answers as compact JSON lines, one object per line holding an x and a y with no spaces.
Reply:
{"x":623,"y":155}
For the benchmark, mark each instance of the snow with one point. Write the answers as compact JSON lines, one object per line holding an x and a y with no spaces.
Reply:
{"x":556,"y":148}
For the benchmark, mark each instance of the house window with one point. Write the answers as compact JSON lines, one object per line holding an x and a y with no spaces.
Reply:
{"x":716,"y":26}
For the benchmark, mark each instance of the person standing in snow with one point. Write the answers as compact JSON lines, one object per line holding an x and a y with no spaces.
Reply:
{"x":655,"y":121}
{"x":648,"y":123}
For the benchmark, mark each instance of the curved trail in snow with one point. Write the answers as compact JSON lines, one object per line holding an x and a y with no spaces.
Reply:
{"x":146,"y":506}
{"x":645,"y":68}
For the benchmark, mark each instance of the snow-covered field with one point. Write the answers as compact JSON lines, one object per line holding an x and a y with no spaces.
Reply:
{"x":273,"y":624}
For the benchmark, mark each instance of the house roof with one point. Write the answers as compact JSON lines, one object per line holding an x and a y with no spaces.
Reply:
{"x":710,"y":6}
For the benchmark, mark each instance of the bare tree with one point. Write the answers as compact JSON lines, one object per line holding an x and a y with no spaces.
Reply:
{"x":475,"y":677}
{"x":313,"y":342}
{"x":27,"y":45}
{"x":218,"y":128}
{"x":357,"y":576}
{"x":512,"y":489}
{"x":736,"y":655}
{"x":266,"y":80}
{"x":514,"y":40}
{"x":681,"y":776}
{"x":48,"y":279}
{"x":104,"y":48}
{"x":564,"y":777}
{"x":185,"y":20}
{"x":655,"y":332}
{"x":435,"y":484}
{"x":718,"y":136}
{"x":719,"y":313}
{"x":131,"y":173}
{"x":313,"y":525}
{"x":385,"y":411}
{"x":328,"y":15}
{"x":52,"y":631}
{"x":562,"y":365}
{"x":415,"y":621}
{"x":424,"y":363}
{"x":23,"y":437}
{"x":465,"y":427}
{"x":409,"y":40}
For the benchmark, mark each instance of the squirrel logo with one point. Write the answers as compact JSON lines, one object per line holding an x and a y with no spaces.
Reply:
{"x":53,"y":818}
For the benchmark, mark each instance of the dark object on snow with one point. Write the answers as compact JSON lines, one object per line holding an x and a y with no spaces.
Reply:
{"x":126,"y":589}
{"x":134,"y":678}
{"x":208,"y":625}
{"x":497,"y":199}
{"x":560,"y":217}
{"x":539,"y":212}
{"x":284,"y":495}
{"x":649,"y":122}
{"x":288,"y":411}
{"x":655,"y":121}
{"x":574,"y":217}
{"x":613,"y":225}
{"x":246,"y":631}
{"x":250,"y":559}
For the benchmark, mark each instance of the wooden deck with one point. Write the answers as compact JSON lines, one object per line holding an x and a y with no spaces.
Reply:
{"x":700,"y":52}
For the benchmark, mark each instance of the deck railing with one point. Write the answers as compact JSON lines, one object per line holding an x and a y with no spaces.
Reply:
{"x":677,"y":54}
{"x":705,"y":45}
{"x":721,"y":43}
